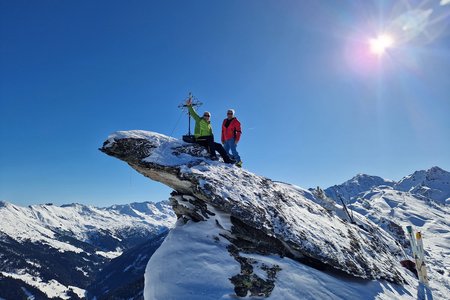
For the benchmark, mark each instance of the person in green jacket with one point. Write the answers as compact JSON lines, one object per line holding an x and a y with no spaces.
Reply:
{"x":204,"y":134}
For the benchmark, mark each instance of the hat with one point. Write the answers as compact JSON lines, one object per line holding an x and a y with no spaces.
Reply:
{"x":207,"y":113}
{"x":231,"y":110}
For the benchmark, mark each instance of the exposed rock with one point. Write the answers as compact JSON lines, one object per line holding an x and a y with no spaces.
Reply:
{"x":249,"y":282}
{"x":267,"y":216}
{"x":189,"y":207}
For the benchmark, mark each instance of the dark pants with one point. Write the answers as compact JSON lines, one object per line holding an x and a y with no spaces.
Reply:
{"x":208,"y":142}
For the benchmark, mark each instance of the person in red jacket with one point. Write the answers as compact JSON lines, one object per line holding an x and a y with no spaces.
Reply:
{"x":231,"y":134}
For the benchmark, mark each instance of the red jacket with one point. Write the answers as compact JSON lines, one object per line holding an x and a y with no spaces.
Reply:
{"x":232,"y":131}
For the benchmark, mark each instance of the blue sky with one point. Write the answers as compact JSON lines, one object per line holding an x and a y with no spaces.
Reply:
{"x":316,"y":106}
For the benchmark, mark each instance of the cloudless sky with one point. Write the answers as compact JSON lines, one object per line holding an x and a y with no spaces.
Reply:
{"x":316,"y":106}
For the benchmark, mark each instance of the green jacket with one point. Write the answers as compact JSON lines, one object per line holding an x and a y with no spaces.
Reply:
{"x":202,"y":127}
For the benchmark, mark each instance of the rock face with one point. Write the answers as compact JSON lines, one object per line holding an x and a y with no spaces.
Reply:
{"x":267,"y":217}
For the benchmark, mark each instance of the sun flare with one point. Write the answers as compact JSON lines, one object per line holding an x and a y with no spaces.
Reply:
{"x":379,"y":44}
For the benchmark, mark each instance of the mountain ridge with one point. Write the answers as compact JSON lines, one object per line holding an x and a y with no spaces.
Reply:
{"x":58,"y":250}
{"x":433,"y":183}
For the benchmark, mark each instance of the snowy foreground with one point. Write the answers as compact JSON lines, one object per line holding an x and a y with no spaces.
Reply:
{"x":240,"y":234}
{"x":193,"y":264}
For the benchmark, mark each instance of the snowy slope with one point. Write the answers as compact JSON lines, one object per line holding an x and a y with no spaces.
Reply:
{"x":194,"y":263}
{"x":383,"y":205}
{"x":59,"y":249}
{"x":85,"y":223}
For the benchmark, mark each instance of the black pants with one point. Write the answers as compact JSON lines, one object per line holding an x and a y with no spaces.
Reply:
{"x":208,"y":142}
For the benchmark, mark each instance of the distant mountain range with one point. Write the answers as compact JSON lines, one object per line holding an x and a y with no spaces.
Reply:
{"x":60,"y":251}
{"x":76,"y":251}
{"x":421,"y":199}
{"x":433,"y":183}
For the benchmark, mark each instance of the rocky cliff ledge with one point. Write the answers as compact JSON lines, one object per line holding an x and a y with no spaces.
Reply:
{"x":266,"y":217}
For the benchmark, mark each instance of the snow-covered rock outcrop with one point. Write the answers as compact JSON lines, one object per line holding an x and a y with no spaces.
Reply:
{"x":253,"y":218}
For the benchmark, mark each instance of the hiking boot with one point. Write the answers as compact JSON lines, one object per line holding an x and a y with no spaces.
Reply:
{"x":239,"y":164}
{"x":214,"y":158}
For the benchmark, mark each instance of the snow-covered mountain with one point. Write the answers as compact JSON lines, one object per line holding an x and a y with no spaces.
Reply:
{"x":358,"y":184}
{"x":393,"y":210}
{"x":240,"y":235}
{"x":433,"y":183}
{"x":59,"y":249}
{"x":420,"y":199}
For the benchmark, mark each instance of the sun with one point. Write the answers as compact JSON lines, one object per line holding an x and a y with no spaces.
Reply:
{"x":379,"y":44}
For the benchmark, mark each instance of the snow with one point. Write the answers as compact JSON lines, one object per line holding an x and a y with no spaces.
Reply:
{"x":32,"y":263}
{"x":110,"y":254}
{"x":359,"y":183}
{"x":192,"y":264}
{"x":29,"y":295}
{"x":433,"y":183}
{"x":86,"y":274}
{"x":163,"y":154}
{"x":420,"y":199}
{"x":189,"y":265}
{"x":22,"y":224}
{"x":297,"y":281}
{"x":80,"y":292}
{"x":430,"y":218}
{"x":43,"y":222}
{"x":163,"y":143}
{"x":51,"y":288}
